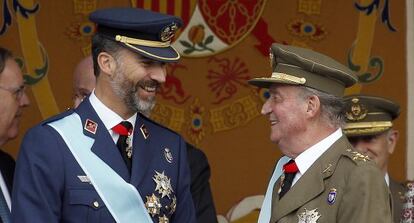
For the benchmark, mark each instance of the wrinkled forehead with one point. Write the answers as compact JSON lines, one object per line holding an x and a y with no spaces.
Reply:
{"x":11,"y":73}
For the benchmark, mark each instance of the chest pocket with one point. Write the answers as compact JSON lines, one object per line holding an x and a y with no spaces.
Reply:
{"x":88,"y":206}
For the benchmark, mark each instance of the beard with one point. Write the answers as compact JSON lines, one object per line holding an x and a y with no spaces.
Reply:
{"x":127,"y":90}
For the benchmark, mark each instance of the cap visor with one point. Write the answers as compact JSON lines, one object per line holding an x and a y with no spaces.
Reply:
{"x":163,"y":54}
{"x":266,"y":82}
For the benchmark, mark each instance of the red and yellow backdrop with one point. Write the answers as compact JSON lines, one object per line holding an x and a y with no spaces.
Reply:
{"x":224,"y":43}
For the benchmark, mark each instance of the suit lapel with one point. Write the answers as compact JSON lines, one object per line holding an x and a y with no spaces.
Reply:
{"x":142,"y":151}
{"x":103,"y":146}
{"x":311,"y":184}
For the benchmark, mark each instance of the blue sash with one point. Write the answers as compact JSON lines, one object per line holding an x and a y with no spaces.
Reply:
{"x":121,"y":198}
{"x":265,"y":212}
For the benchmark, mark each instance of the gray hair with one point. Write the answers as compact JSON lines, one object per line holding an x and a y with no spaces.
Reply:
{"x":102,"y":44}
{"x":332,"y":107}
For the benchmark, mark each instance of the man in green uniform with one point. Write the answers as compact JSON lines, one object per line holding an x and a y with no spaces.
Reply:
{"x":325,"y":180}
{"x":370,"y":130}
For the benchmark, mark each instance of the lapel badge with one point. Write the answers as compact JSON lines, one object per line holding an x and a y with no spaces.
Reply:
{"x":91,"y":126}
{"x":168,"y":155}
{"x":84,"y":179}
{"x":311,"y":216}
{"x":153,"y":205}
{"x":144,"y":131}
{"x":332,"y":196}
{"x":163,"y":186}
{"x":327,"y":169}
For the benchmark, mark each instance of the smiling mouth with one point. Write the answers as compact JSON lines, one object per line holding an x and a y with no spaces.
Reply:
{"x":273,"y":122}
{"x":149,"y":86}
{"x":150,"y":89}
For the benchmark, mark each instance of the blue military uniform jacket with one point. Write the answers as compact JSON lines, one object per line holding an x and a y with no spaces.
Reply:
{"x":48,"y":186}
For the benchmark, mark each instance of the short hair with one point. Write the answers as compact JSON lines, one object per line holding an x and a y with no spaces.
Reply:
{"x":332,"y":107}
{"x":5,"y":54}
{"x":102,"y":44}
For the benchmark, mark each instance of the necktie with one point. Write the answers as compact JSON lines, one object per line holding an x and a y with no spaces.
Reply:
{"x":290,"y":169}
{"x":4,"y":209}
{"x":124,"y":143}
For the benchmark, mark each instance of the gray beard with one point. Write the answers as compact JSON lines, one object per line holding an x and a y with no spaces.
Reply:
{"x":127,"y":91}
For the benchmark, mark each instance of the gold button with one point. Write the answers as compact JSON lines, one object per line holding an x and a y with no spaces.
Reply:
{"x":96,"y":204}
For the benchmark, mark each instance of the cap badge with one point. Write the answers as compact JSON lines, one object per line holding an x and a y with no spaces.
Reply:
{"x":144,"y":131}
{"x":168,"y":155}
{"x":168,"y":32}
{"x":163,"y":186}
{"x":311,"y":216}
{"x":357,"y":111}
{"x":153,"y":205}
{"x":271,"y":56}
{"x":90,"y":126}
{"x":332,"y":196}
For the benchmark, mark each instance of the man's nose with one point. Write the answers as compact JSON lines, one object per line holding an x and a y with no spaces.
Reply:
{"x":24,"y":100}
{"x":266,"y":108}
{"x":159,"y":74}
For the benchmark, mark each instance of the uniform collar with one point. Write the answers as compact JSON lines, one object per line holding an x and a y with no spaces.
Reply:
{"x":108,"y":117}
{"x":310,"y":155}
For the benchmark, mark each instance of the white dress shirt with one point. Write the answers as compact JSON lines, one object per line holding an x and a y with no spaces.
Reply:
{"x":109,"y":118}
{"x":310,"y":155}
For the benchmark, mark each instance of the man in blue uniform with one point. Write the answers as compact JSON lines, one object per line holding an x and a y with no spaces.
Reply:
{"x":104,"y":161}
{"x":84,"y":82}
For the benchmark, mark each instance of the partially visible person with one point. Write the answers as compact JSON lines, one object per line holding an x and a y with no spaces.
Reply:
{"x":84,"y":80}
{"x":13,"y":100}
{"x":324,"y":180}
{"x":104,"y":161}
{"x":83,"y":85}
{"x":369,"y":128}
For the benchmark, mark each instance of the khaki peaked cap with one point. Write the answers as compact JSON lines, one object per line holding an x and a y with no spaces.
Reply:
{"x":300,"y":66}
{"x":368,"y":115}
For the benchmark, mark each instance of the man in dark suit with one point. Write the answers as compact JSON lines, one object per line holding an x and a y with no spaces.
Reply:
{"x":370,"y":130}
{"x":324,"y":179}
{"x":104,"y":161}
{"x":13,"y":100}
{"x":200,"y":185}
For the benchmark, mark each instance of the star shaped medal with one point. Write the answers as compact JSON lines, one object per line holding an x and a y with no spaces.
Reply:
{"x":163,"y":186}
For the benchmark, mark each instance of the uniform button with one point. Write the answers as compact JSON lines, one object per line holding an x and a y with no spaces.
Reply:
{"x":96,"y":204}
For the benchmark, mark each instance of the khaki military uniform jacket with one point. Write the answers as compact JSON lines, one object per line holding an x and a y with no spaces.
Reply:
{"x":397,"y":192}
{"x":341,"y":186}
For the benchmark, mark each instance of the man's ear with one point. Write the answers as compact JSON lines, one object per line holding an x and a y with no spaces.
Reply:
{"x":392,"y":138}
{"x":107,"y":63}
{"x":313,"y":105}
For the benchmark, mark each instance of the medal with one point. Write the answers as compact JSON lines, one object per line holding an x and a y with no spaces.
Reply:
{"x":163,"y":186}
{"x":129,"y":146}
{"x":311,"y":216}
{"x":163,"y":219}
{"x":153,"y":205}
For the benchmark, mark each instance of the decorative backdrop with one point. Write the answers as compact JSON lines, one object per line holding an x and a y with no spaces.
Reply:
{"x":224,"y":43}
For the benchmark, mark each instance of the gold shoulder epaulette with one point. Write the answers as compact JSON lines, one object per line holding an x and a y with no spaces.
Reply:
{"x":358,"y":156}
